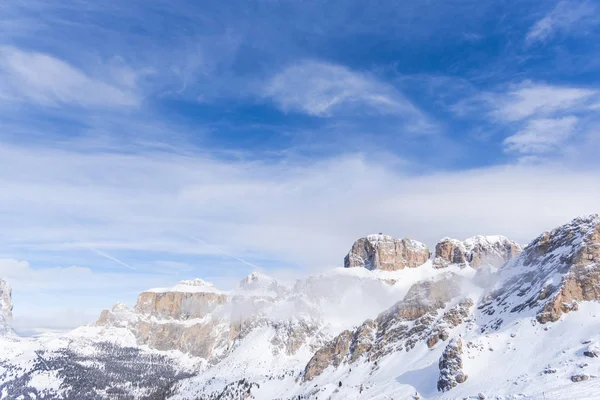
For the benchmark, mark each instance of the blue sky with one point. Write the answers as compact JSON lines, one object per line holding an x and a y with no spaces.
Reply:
{"x":146,"y":142}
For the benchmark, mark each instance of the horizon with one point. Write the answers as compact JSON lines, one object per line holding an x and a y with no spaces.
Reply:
{"x":147,"y":143}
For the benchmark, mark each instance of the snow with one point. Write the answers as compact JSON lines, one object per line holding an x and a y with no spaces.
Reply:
{"x":189,"y":286}
{"x":46,"y":381}
{"x":486,"y":241}
{"x":5,"y":300}
{"x":517,"y":359}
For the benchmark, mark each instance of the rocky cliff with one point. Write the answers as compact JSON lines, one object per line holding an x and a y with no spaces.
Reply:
{"x":428,"y":313}
{"x":494,"y":251}
{"x":6,"y":305}
{"x":447,"y":322}
{"x":197,"y":318}
{"x":386,"y":253}
{"x":551,"y":276}
{"x":451,"y":366}
{"x":555,"y":272}
{"x":188,"y":299}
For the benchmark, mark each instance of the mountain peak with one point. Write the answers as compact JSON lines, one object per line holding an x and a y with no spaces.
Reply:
{"x":6,"y":305}
{"x":556,"y":270}
{"x":379,"y":251}
{"x":476,"y":251}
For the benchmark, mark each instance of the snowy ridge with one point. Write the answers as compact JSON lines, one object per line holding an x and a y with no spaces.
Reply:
{"x":194,"y":285}
{"x":557,"y":270}
{"x":515,"y":325}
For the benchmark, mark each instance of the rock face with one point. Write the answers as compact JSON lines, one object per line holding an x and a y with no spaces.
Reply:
{"x":6,"y":305}
{"x":451,"y":366}
{"x":386,"y":253}
{"x":425,"y":314}
{"x":556,"y":270}
{"x":579,"y":377}
{"x":175,"y":318}
{"x":476,"y":251}
{"x":188,"y":299}
{"x":196,"y":318}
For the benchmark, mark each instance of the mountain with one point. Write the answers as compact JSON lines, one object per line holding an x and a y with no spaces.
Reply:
{"x":386,"y":253}
{"x":479,"y":318}
{"x":6,"y":307}
{"x":476,"y":251}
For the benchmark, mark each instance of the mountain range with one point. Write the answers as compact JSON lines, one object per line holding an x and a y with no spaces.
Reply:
{"x":481,"y":318}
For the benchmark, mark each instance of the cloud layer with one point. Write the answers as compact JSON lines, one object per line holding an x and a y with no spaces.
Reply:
{"x":144,"y":143}
{"x":48,"y":81}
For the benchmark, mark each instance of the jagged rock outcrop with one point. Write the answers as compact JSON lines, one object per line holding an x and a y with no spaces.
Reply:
{"x":196,"y":318}
{"x":476,"y":251}
{"x":6,"y":305}
{"x":579,"y":377}
{"x":451,"y":366}
{"x":424,"y":315}
{"x":386,"y":253}
{"x":555,"y":271}
{"x":178,"y":318}
{"x":452,"y":318}
{"x":188,"y":299}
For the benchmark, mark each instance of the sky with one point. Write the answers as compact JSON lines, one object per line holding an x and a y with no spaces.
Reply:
{"x":142,"y":143}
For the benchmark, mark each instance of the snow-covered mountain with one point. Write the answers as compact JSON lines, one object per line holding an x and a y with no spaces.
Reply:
{"x":479,"y":318}
{"x":6,"y":307}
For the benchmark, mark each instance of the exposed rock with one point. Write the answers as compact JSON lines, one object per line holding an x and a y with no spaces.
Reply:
{"x":593,"y":351}
{"x":331,"y":354}
{"x":386,"y":253}
{"x":119,"y":315}
{"x":189,"y":299}
{"x":591,"y":354}
{"x":199,"y":339}
{"x":451,"y":365}
{"x":549,"y":370}
{"x":449,"y":251}
{"x":451,"y":319}
{"x":6,"y":305}
{"x":416,"y":318}
{"x":196,"y":318}
{"x":579,"y":378}
{"x":476,"y":251}
{"x":556,"y":271}
{"x":289,"y":336}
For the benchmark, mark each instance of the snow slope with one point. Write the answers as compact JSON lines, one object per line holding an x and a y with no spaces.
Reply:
{"x":525,"y":330}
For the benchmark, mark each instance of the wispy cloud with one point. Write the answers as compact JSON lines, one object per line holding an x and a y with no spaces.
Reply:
{"x":323,"y":89}
{"x":542,"y":135}
{"x":567,"y":16}
{"x":144,"y":207}
{"x":154,"y":202}
{"x":529,"y":99}
{"x":542,"y":117}
{"x":46,"y":80}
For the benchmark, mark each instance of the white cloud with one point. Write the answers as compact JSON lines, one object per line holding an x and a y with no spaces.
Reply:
{"x":48,"y":81}
{"x":323,"y":89}
{"x":292,"y":212}
{"x":65,"y":297}
{"x":542,"y":135}
{"x":567,"y":16}
{"x":529,"y":99}
{"x":543,"y":117}
{"x":143,"y":208}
